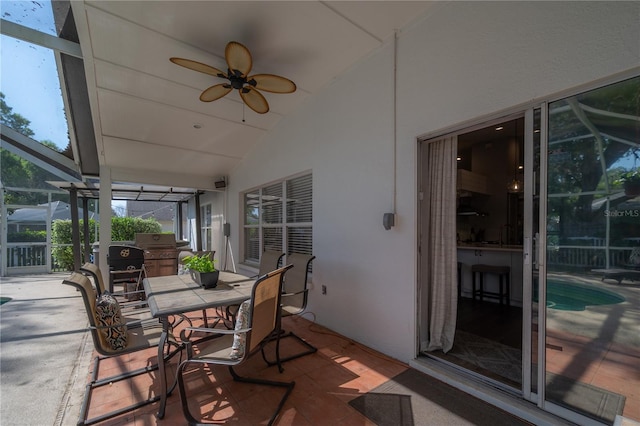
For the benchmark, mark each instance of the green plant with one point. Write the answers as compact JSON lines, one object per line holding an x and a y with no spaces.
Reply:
{"x":126,"y":228}
{"x":202,"y":263}
{"x":630,"y":177}
{"x":122,"y":229}
{"x":61,"y":237}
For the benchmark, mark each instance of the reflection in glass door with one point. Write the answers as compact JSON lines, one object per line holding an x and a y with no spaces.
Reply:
{"x":592,"y":303}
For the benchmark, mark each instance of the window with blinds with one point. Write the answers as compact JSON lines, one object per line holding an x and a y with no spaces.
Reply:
{"x":206,"y":231}
{"x":279,"y":217}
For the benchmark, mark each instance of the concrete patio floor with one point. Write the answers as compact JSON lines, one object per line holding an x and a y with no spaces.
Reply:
{"x":44,"y":351}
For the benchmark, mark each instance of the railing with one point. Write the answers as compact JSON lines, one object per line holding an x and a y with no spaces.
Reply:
{"x":580,"y":257}
{"x":29,"y":255}
{"x":26,"y":254}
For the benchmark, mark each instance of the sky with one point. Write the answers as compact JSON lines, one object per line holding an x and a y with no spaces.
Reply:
{"x":28,"y":74}
{"x":29,"y":77}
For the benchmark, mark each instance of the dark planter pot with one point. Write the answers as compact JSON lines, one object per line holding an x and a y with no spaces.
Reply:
{"x":205,"y":279}
{"x":632,"y":189}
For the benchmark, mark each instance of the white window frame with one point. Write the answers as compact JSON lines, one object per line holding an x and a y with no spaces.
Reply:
{"x":284,"y":225}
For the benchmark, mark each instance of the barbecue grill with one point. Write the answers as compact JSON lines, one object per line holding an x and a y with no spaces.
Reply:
{"x":125,"y":266}
{"x":160,"y":253}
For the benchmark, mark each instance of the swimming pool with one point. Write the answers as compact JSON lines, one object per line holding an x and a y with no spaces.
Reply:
{"x":568,"y":296}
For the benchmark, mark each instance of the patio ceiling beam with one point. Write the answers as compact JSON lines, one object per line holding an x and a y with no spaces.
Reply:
{"x":39,"y":38}
{"x":41,"y":155}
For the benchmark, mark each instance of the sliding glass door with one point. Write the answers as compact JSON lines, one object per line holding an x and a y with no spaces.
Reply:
{"x":589,"y":299}
{"x":569,"y":240}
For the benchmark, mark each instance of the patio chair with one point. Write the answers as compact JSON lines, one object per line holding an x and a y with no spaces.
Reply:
{"x":112,"y":336}
{"x":126,"y":267}
{"x":134,"y":310}
{"x":258,"y":319}
{"x":270,"y":260}
{"x":294,"y":302}
{"x":629,"y":270}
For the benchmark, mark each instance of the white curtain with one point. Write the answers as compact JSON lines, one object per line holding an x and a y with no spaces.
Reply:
{"x":440,"y":245}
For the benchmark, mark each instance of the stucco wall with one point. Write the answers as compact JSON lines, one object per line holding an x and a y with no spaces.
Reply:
{"x":461,"y":62}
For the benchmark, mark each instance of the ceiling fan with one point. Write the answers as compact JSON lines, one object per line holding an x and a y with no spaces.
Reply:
{"x":239,"y":65}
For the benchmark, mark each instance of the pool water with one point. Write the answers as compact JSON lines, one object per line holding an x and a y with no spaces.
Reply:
{"x":566,"y":296}
{"x":4,"y":300}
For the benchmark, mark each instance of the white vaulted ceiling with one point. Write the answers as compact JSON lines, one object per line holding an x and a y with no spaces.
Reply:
{"x":144,"y":107}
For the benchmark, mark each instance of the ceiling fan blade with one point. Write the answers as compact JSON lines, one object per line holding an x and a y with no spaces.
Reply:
{"x":198,"y":66}
{"x":215,"y":92}
{"x":238,"y":58}
{"x":254,"y":100}
{"x":273,"y":83}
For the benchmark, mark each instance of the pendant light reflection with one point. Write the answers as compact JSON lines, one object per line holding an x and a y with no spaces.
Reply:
{"x":515,"y":185}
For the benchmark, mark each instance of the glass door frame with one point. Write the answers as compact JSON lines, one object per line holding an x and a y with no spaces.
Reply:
{"x":534,"y":255}
{"x":528,"y":256}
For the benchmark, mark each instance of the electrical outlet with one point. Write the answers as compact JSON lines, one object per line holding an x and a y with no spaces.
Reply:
{"x":324,"y":289}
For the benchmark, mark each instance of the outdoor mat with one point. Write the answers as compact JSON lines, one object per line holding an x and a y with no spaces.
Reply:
{"x":591,"y":400}
{"x":413,"y":398}
{"x":505,"y":361}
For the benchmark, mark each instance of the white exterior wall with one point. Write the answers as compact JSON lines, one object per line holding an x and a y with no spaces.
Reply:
{"x":461,"y":62}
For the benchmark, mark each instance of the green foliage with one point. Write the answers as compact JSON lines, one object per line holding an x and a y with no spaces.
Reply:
{"x":202,"y":263}
{"x":61,"y":234}
{"x":122,"y":229}
{"x":12,"y":119}
{"x":126,"y":228}
{"x":632,"y":176}
{"x":27,"y":237}
{"x":19,"y":172}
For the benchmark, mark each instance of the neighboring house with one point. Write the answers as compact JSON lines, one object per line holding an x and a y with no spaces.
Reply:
{"x":164,"y":213}
{"x":35,"y":218}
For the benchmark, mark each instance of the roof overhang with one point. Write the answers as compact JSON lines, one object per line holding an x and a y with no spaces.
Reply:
{"x":123,"y":191}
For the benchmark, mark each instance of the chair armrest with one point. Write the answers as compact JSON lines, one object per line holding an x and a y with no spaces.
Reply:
{"x":217,"y":330}
{"x":185,"y":334}
{"x":296,"y":293}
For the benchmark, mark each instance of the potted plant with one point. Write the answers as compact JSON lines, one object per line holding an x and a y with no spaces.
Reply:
{"x":631,"y":182}
{"x":202,"y":270}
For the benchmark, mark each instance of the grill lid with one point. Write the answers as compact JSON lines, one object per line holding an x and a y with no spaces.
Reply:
{"x":155,"y":241}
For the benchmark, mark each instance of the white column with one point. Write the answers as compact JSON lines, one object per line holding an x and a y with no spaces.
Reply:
{"x":105,"y":220}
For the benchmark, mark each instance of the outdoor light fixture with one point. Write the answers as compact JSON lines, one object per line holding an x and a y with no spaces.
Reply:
{"x":388,"y":220}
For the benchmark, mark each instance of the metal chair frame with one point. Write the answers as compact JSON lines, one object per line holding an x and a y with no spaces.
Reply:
{"x":263,"y":320}
{"x":270,"y":260}
{"x":92,"y":270}
{"x":149,"y":334}
{"x":295,"y":289}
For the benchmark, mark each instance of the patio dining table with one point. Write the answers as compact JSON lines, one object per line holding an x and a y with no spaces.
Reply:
{"x":178,"y":294}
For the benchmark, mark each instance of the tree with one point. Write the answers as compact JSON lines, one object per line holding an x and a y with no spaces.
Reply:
{"x":14,"y":120}
{"x":18,"y":172}
{"x":585,"y":134}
